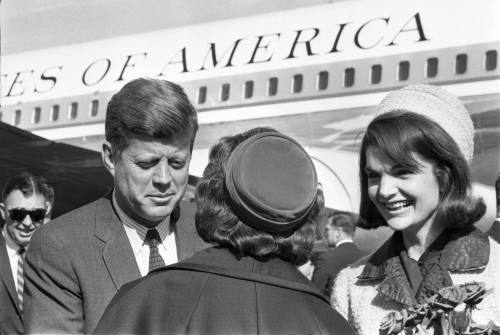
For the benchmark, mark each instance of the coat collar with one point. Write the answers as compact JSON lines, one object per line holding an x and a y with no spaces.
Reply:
{"x":222,"y":262}
{"x":466,"y":250}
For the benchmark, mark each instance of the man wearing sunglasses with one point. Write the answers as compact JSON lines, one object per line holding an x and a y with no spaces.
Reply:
{"x":26,"y":203}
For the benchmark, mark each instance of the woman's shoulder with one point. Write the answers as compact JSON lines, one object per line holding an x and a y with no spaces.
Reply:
{"x":494,"y":252}
{"x":353,"y":271}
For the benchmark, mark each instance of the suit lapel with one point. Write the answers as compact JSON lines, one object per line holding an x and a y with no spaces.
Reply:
{"x":117,"y":253}
{"x":6,"y":273}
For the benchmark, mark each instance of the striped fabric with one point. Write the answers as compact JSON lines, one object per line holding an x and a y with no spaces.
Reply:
{"x":20,"y":277}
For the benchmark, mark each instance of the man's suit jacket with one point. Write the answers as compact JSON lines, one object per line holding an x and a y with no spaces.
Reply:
{"x":10,"y":315}
{"x":76,"y":263}
{"x":328,"y":264}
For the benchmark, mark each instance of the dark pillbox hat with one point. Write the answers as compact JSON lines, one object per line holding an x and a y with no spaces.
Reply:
{"x":271,"y":182}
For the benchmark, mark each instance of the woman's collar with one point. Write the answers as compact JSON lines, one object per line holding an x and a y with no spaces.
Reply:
{"x":467,"y":250}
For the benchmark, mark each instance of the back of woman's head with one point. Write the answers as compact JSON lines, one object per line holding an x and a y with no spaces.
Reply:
{"x":415,"y":120}
{"x":241,"y":202}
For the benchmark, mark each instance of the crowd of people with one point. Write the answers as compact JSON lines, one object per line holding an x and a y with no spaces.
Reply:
{"x":141,"y":260}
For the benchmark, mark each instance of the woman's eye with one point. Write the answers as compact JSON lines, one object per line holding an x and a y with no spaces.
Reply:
{"x":402,"y":172}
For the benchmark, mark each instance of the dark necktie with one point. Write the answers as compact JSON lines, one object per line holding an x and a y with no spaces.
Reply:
{"x":20,"y":277}
{"x":153,"y":239}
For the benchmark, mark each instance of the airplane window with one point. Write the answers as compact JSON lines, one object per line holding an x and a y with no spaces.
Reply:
{"x":54,"y":113}
{"x":202,"y":95}
{"x":297,"y":83}
{"x":272,"y":86}
{"x":94,"y":107}
{"x":17,"y":117}
{"x":73,"y":110}
{"x":491,"y":60}
{"x":349,"y":77}
{"x":224,"y":92}
{"x":404,"y":71}
{"x":248,"y":90}
{"x":37,"y":112}
{"x":376,"y":74}
{"x":432,"y":67}
{"x":323,"y":80}
{"x":461,"y":64}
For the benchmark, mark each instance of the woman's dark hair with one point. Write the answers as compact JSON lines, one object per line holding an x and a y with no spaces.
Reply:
{"x":399,"y":134}
{"x":217,"y":224}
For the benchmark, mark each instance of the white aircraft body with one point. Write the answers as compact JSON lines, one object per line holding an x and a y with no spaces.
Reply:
{"x":314,"y":73}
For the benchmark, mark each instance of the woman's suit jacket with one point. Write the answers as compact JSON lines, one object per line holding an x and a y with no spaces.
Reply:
{"x":368,"y":290}
{"x":76,"y":263}
{"x":214,"y":292}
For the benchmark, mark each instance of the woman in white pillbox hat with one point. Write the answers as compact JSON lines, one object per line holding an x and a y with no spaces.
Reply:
{"x":415,"y":179}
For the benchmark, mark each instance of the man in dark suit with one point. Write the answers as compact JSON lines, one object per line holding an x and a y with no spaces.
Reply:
{"x":340,"y":227}
{"x":494,"y":231}
{"x":77,"y":263}
{"x":25,"y":201}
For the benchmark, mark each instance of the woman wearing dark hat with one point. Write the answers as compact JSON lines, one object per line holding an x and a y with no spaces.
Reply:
{"x":415,"y":179}
{"x":257,"y":202}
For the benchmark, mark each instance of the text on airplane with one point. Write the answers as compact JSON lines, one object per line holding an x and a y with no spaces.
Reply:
{"x":244,"y":51}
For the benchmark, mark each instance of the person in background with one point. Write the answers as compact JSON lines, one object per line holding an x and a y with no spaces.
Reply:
{"x":339,"y":232}
{"x":256,"y":203}
{"x":77,"y":262}
{"x":415,"y":179}
{"x":494,"y":230}
{"x":25,"y":205}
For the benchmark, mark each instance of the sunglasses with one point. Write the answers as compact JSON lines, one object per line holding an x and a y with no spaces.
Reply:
{"x":18,"y":214}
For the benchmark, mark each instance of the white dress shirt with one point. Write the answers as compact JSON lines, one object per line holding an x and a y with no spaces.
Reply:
{"x":136,"y":234}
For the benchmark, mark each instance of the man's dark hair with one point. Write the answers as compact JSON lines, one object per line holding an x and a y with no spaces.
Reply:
{"x":346,"y":221}
{"x":149,"y":107}
{"x":29,"y":184}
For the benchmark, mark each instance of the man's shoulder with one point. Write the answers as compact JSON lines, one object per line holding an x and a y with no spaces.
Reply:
{"x":79,"y":219}
{"x":188,"y":208}
{"x":344,"y":252}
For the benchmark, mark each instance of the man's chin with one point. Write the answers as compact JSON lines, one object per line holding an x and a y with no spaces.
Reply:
{"x":157,"y":214}
{"x":23,"y":241}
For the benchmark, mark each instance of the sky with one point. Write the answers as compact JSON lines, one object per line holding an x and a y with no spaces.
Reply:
{"x":36,"y":24}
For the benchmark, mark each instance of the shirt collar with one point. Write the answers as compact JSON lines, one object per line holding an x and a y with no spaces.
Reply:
{"x":346,"y":240}
{"x":163,"y":227}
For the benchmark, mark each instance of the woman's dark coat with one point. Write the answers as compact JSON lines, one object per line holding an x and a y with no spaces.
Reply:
{"x":214,"y":292}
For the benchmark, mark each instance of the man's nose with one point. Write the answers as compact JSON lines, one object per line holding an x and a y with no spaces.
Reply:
{"x":162,"y":174}
{"x":27,"y":221}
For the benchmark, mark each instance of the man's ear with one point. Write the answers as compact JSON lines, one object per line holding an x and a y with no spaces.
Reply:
{"x":48,"y":209}
{"x":107,"y":158}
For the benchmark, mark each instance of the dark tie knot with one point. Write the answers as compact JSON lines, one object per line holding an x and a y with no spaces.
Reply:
{"x":152,"y":238}
{"x":21,"y":251}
